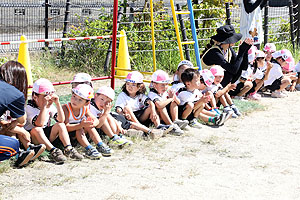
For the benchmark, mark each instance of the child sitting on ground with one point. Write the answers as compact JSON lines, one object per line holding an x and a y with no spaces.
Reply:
{"x":166,"y":102}
{"x":177,"y":82}
{"x":79,"y":121}
{"x":39,"y":112}
{"x":101,"y":107}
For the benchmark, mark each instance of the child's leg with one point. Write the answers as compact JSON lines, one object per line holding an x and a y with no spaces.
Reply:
{"x":106,"y":128}
{"x":146,"y":115}
{"x":94,"y":135}
{"x":174,"y":111}
{"x":39,"y":137}
{"x":60,"y":130}
{"x":164,"y":116}
{"x":23,"y":136}
{"x":139,"y":126}
{"x":228,"y":99}
{"x":187,"y":110}
{"x":247,"y":86}
{"x":208,"y":113}
{"x":81,"y":138}
{"x":129,"y":111}
{"x":259,"y":84}
{"x":223,"y":100}
{"x":284,"y":83}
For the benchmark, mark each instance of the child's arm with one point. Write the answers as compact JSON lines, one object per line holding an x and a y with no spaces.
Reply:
{"x":60,"y":113}
{"x":226,"y":89}
{"x":91,"y":118}
{"x":267,"y":72}
{"x":44,"y":114}
{"x":163,"y":103}
{"x":105,"y":114}
{"x":71,"y":127}
{"x":153,"y":114}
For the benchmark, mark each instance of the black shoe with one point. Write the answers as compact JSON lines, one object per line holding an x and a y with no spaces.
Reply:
{"x":219,"y":120}
{"x":24,"y":157}
{"x":38,"y":150}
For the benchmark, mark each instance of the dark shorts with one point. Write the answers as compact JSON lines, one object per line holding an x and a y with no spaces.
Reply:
{"x":275,"y":85}
{"x":237,"y":90}
{"x":181,"y":110}
{"x":138,"y":115}
{"x":252,"y":89}
{"x":125,"y":124}
{"x":8,"y":147}
{"x":47,"y":130}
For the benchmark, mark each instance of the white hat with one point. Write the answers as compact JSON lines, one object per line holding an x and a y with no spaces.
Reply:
{"x":207,"y":76}
{"x":185,"y":62}
{"x":81,"y":78}
{"x":217,"y":70}
{"x":107,"y":91}
{"x":84,"y":91}
{"x":270,"y":47}
{"x":284,"y":54}
{"x":251,"y":54}
{"x":43,"y":86}
{"x":259,"y":54}
{"x":160,"y":76}
{"x":134,"y":77}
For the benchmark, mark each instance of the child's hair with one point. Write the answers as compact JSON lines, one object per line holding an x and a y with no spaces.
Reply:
{"x":141,"y":86}
{"x":14,"y":73}
{"x":189,"y":74}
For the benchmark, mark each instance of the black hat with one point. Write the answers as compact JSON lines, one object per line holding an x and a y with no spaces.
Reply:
{"x":227,"y":35}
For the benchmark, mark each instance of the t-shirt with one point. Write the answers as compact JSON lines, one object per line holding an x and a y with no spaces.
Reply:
{"x":248,"y":74}
{"x":154,"y":96}
{"x":297,"y":67}
{"x":275,"y":73}
{"x":32,"y":111}
{"x":176,"y":85}
{"x":11,"y":99}
{"x":136,"y":103}
{"x":215,"y":88}
{"x":94,"y":109}
{"x":186,"y":96}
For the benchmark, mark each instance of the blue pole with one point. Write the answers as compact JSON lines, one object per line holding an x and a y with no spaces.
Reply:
{"x":193,"y":26}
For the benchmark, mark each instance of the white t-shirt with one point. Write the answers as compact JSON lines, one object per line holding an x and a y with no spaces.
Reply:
{"x":33,"y":111}
{"x":297,"y":67}
{"x":275,"y":73}
{"x":176,"y":86}
{"x":94,"y":109}
{"x":215,"y":88}
{"x":248,"y":74}
{"x":186,"y":96}
{"x":136,"y":103}
{"x":154,"y":96}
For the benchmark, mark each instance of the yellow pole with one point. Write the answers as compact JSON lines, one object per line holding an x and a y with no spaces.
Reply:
{"x":152,"y":35}
{"x":24,"y":59}
{"x":177,"y":30}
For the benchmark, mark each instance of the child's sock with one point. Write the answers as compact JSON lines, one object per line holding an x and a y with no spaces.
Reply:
{"x":88,"y":147}
{"x":68,"y":147}
{"x":211,"y":119}
{"x":100,"y":144}
{"x":52,"y":149}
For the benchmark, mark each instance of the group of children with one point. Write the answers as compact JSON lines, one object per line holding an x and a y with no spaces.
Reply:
{"x":90,"y":117}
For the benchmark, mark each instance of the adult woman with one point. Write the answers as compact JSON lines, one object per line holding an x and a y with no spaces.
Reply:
{"x":220,"y":52}
{"x":13,"y":100}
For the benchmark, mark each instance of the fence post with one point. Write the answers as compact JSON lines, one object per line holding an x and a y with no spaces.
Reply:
{"x":292,"y":23}
{"x":46,"y":22}
{"x":228,"y":20}
{"x":184,"y":37}
{"x":298,"y":21}
{"x":266,"y":24}
{"x":65,"y":25}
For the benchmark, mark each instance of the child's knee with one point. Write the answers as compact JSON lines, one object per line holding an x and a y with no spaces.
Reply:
{"x":37,"y":131}
{"x":189,"y":105}
{"x":248,"y":84}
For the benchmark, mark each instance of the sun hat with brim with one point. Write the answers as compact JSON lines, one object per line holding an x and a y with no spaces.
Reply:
{"x":290,"y":66}
{"x":270,"y":47}
{"x":134,"y":77}
{"x":81,"y":78}
{"x":84,"y":91}
{"x":185,"y":62}
{"x":43,"y":86}
{"x":259,"y":54}
{"x":227,"y":35}
{"x":217,"y":70}
{"x":207,"y":76}
{"x":107,"y":91}
{"x":160,"y":76}
{"x":285,"y":54}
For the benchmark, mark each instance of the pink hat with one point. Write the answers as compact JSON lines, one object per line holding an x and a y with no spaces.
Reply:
{"x":290,"y":66}
{"x":270,"y":47}
{"x":134,"y":77}
{"x":284,"y":54}
{"x":160,"y":76}
{"x":217,"y":70}
{"x":259,"y":54}
{"x":207,"y":76}
{"x":84,"y":91}
{"x":81,"y":78}
{"x":251,"y":54}
{"x":185,"y":62}
{"x":43,"y":86}
{"x":107,"y":91}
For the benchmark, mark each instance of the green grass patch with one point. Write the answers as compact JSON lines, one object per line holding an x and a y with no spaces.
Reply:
{"x":5,"y":166}
{"x":248,"y":106}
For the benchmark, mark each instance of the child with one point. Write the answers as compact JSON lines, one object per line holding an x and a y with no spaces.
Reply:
{"x":79,"y":120}
{"x":276,"y":81}
{"x":81,"y":78}
{"x":135,"y":105}
{"x":221,"y":94}
{"x":39,"y":112}
{"x":166,"y":102}
{"x":177,"y":82}
{"x":297,"y":69}
{"x":101,"y":106}
{"x":268,"y":50}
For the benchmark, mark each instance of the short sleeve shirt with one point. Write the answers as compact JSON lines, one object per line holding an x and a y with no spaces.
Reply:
{"x":154,"y":96}
{"x":136,"y":103}
{"x":176,"y":86}
{"x":11,"y":99}
{"x":94,"y":109}
{"x":275,"y":73}
{"x":215,"y":88}
{"x":33,"y":111}
{"x":186,"y":96}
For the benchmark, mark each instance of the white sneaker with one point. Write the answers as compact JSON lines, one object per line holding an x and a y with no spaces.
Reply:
{"x":195,"y":124}
{"x":277,"y":94}
{"x":176,"y":130}
{"x":240,"y":98}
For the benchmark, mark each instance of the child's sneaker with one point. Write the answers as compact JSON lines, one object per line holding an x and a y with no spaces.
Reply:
{"x":228,"y":109}
{"x":277,"y":94}
{"x":219,"y":120}
{"x":165,"y":128}
{"x":117,"y":141}
{"x":195,"y":124}
{"x":58,"y":156}
{"x":181,"y":123}
{"x":156,"y":133}
{"x":235,"y":110}
{"x":128,"y":142}
{"x":105,"y":150}
{"x":254,"y":96}
{"x":73,"y":154}
{"x":38,"y":150}
{"x":176,"y":130}
{"x":93,"y":153}
{"x":24,"y":157}
{"x":134,"y":133}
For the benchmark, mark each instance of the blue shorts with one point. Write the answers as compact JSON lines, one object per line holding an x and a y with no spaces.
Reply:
{"x":8,"y":147}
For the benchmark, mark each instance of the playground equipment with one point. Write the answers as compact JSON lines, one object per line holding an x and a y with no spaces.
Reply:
{"x":193,"y":27}
{"x":123,"y":56}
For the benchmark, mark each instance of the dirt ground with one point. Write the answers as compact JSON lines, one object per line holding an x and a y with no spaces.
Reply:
{"x":253,"y":157}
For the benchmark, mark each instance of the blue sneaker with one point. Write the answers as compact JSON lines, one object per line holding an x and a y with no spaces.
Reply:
{"x":105,"y":150}
{"x":93,"y":153}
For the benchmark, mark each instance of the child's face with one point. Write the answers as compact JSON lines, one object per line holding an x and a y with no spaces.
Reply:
{"x":40,"y":99}
{"x":268,"y":55}
{"x":102,"y":100}
{"x":218,"y":79}
{"x":202,"y":85}
{"x":161,"y":87}
{"x":180,"y":71}
{"x":77,"y":101}
{"x":260,"y":62}
{"x":195,"y":83}
{"x":132,"y":88}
